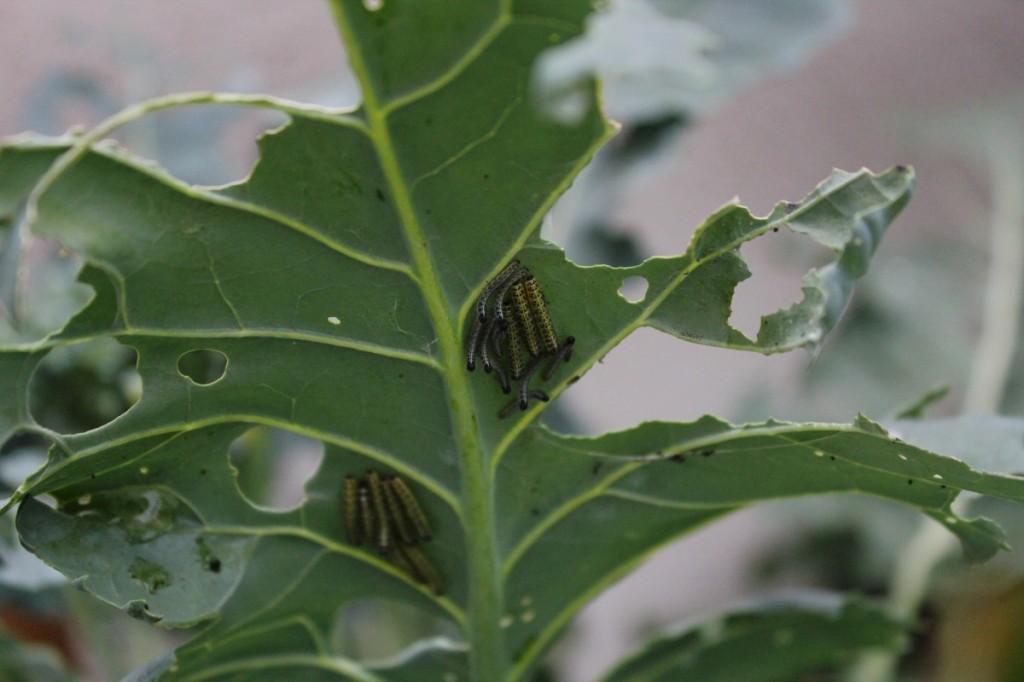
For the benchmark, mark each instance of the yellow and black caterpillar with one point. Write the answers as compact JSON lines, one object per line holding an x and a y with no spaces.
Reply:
{"x":383,"y":512}
{"x":512,"y":316}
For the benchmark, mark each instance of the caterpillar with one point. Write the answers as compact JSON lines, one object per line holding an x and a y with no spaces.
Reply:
{"x":562,"y":355}
{"x":524,"y":391}
{"x":350,"y":509}
{"x":510,"y":407}
{"x":475,"y":338}
{"x":471,"y":345}
{"x":380,"y":510}
{"x":485,"y":345}
{"x":366,"y":515}
{"x":515,"y":351}
{"x":398,"y":515}
{"x":423,"y":571}
{"x":512,"y":319}
{"x":499,"y":372}
{"x":539,"y":312}
{"x":524,"y":386}
{"x":411,"y":507}
{"x":499,"y":303}
{"x":485,"y":295}
{"x":384,"y":511}
{"x":521,"y":307}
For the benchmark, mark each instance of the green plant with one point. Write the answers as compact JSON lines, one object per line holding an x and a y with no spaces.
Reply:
{"x":339,"y":283}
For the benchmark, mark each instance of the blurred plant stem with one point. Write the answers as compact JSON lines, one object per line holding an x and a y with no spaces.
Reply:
{"x":990,"y":368}
{"x":1004,"y":290}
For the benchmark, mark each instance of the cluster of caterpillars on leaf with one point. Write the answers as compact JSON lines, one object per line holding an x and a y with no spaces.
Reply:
{"x":384,"y":512}
{"x":512,"y":320}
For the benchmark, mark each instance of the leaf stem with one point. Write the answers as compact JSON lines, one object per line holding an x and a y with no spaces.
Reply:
{"x":488,"y":660}
{"x":930,"y":544}
{"x":1004,"y":290}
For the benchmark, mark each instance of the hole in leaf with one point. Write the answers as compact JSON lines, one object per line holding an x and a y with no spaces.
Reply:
{"x":142,"y":512}
{"x":20,"y":456}
{"x":207,"y":558}
{"x":82,"y":387}
{"x":634,"y":289}
{"x":150,"y":575}
{"x":204,"y":145}
{"x":777,"y":263}
{"x":373,"y":5}
{"x":272,"y":466}
{"x":378,"y":628}
{"x":203,"y":366}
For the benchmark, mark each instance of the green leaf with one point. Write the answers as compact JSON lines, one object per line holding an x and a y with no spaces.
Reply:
{"x":774,"y":640}
{"x":16,"y":367}
{"x":174,"y":573}
{"x":612,"y":499}
{"x":848,"y":213}
{"x":338,"y":283}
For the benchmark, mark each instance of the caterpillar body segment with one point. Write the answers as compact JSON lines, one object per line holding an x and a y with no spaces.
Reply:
{"x":384,"y":511}
{"x":411,"y":507}
{"x":492,"y":286}
{"x":539,"y":314}
{"x":350,"y":510}
{"x":513,"y":335}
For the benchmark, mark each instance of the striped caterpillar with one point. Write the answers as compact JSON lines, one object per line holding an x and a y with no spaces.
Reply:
{"x":512,"y":319}
{"x":383,"y":512}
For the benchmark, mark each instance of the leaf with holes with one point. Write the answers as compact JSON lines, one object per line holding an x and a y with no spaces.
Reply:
{"x":330,"y":296}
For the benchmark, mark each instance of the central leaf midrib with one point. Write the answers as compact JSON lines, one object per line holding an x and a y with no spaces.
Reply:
{"x":486,"y":640}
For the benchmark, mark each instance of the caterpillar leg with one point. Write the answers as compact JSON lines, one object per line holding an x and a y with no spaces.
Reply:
{"x":563,"y":354}
{"x":519,"y":402}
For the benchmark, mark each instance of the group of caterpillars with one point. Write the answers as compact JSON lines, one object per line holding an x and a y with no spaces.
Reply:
{"x":528,"y":326}
{"x":384,"y":512}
